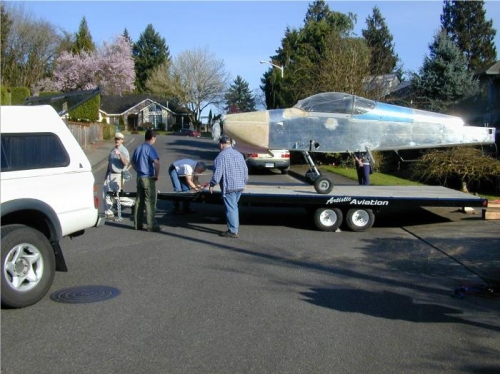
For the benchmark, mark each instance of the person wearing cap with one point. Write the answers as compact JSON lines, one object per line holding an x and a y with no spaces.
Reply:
{"x":231,"y":173}
{"x":118,"y":160}
{"x":184,"y":176}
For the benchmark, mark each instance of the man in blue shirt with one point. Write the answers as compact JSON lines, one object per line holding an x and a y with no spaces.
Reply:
{"x":231,"y":172}
{"x":146,"y":163}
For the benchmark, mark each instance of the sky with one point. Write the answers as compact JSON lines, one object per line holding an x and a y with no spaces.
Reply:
{"x":242,"y":33}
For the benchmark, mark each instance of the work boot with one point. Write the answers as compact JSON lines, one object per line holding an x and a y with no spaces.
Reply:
{"x":229,"y":234}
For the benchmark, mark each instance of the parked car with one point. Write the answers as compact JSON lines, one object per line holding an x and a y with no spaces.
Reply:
{"x":274,"y":159}
{"x":187,"y":132}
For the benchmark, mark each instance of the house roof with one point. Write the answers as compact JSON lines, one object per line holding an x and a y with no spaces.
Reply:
{"x":490,"y":70}
{"x":114,"y":104}
{"x":494,"y":69}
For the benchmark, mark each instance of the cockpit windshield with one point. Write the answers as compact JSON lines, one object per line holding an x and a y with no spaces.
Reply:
{"x":335,"y":102}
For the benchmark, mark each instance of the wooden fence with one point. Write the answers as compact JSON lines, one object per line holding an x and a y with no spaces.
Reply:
{"x":86,"y":133}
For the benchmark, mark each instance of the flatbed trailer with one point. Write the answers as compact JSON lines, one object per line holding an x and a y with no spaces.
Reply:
{"x":354,"y":204}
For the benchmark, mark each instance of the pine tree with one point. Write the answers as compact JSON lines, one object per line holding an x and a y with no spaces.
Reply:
{"x":444,"y":77}
{"x":239,"y":98}
{"x":309,"y":56}
{"x":83,"y":39}
{"x":466,"y":25}
{"x":127,"y":37}
{"x":380,"y":41}
{"x":149,"y":52}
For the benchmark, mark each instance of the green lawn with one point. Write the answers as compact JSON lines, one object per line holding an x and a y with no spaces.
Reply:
{"x":381,"y":179}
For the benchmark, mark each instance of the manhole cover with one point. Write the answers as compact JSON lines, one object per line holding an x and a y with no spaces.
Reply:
{"x":84,"y":294}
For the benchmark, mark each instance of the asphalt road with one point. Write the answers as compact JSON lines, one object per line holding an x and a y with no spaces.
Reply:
{"x":283,"y":298}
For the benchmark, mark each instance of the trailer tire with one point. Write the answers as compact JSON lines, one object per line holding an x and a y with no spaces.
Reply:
{"x":28,"y":266}
{"x":360,"y":219}
{"x":323,"y":185}
{"x":328,"y":219}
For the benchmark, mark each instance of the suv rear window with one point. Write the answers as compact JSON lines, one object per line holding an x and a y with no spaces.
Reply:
{"x":32,"y":151}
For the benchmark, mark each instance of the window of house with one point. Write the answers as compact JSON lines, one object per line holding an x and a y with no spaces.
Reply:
{"x":155,"y":115}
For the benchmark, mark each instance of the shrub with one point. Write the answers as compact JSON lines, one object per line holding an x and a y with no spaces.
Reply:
{"x":19,"y":94}
{"x":88,"y":111}
{"x":5,"y":96}
{"x":108,"y":131}
{"x":121,"y":123}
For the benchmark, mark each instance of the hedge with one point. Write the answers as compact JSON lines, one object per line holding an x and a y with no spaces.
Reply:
{"x":87,"y":112}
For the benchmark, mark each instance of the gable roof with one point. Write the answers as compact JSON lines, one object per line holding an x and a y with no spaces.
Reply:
{"x":114,"y":104}
{"x":490,"y":70}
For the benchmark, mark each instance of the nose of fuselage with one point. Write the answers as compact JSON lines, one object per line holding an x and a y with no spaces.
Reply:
{"x":249,"y":130}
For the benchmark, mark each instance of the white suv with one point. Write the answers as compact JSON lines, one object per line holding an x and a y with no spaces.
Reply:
{"x":48,"y":192}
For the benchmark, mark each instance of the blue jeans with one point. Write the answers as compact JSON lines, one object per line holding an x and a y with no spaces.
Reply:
{"x":232,"y":214}
{"x":366,"y":175}
{"x":179,"y":184}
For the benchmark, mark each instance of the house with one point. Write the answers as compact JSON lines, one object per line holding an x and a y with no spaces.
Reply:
{"x":489,"y":78}
{"x":141,"y":111}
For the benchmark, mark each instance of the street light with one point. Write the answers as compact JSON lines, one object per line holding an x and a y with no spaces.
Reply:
{"x":276,"y":66}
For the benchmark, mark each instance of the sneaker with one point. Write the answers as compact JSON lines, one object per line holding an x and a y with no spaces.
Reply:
{"x":228,"y":234}
{"x":109,"y":214}
{"x":156,"y":229}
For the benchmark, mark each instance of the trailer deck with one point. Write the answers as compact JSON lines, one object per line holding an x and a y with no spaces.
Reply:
{"x":346,"y":195}
{"x":355,"y":204}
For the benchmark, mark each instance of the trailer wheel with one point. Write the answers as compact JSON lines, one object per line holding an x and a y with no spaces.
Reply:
{"x":323,"y":185}
{"x":360,"y":219}
{"x":328,"y":219}
{"x":28,"y":266}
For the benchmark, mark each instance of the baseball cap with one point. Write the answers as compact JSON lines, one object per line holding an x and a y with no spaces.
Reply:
{"x":119,"y":135}
{"x":224,"y":139}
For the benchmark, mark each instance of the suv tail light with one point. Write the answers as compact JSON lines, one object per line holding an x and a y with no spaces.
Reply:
{"x":96,"y":197}
{"x":285,"y":155}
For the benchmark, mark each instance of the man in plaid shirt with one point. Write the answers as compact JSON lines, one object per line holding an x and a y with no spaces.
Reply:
{"x":231,"y":172}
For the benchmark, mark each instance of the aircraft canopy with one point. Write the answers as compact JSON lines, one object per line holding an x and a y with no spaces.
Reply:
{"x":335,"y":102}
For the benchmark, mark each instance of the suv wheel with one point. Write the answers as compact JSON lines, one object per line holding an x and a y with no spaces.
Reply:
{"x":28,"y":266}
